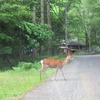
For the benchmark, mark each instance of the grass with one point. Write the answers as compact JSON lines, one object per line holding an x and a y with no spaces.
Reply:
{"x":14,"y":83}
{"x":21,"y":79}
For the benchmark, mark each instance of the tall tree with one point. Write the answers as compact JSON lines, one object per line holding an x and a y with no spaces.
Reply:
{"x":34,"y":14}
{"x":42,"y":11}
{"x":48,"y":13}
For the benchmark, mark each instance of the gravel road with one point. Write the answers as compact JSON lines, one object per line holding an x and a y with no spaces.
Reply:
{"x":83,"y":80}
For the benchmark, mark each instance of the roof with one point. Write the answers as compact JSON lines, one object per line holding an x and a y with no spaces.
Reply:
{"x":73,"y":43}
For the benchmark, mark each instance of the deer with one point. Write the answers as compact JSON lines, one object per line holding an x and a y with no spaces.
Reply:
{"x":55,"y":63}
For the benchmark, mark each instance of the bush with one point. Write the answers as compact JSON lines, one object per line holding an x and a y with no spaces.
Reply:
{"x":26,"y":66}
{"x":96,"y":48}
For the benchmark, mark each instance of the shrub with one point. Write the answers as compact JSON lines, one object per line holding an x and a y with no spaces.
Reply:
{"x":26,"y":66}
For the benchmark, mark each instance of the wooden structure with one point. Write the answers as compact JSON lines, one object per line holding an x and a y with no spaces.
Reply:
{"x":76,"y":45}
{"x":71,"y":47}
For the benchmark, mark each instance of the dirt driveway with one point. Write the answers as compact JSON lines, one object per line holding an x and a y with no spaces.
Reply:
{"x":83,"y":82}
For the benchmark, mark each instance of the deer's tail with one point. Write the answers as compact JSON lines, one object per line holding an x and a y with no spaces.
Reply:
{"x":42,"y":63}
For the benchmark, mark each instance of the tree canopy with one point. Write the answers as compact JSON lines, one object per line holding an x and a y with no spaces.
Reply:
{"x":43,"y":24}
{"x":17,"y":29}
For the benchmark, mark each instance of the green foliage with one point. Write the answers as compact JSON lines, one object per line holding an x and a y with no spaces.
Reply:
{"x":5,"y":50}
{"x":35,"y":34}
{"x":5,"y":40}
{"x":14,"y":12}
{"x":4,"y":37}
{"x":96,"y":49}
{"x":16,"y":27}
{"x":10,"y":17}
{"x":26,"y":66}
{"x":15,"y":83}
{"x":18,"y":33}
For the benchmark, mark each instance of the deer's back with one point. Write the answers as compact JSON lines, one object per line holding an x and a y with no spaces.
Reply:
{"x":53,"y":62}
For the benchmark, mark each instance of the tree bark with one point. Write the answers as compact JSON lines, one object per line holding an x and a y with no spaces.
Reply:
{"x":87,"y":42}
{"x":34,"y":14}
{"x":66,"y":33}
{"x":42,"y":11}
{"x":48,"y":13}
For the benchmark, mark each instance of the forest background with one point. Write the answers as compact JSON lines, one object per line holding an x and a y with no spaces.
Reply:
{"x":35,"y":28}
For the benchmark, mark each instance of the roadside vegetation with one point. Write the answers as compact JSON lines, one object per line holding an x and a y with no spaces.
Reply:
{"x":22,"y":78}
{"x":31,"y":29}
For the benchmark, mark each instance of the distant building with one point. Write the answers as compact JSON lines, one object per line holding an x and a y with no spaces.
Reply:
{"x":73,"y":46}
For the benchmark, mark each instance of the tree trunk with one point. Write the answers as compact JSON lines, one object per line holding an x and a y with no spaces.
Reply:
{"x":34,"y":14}
{"x":34,"y":50}
{"x":66,"y":34}
{"x":87,"y":42}
{"x":42,"y":11}
{"x":89,"y":37}
{"x":49,"y":24}
{"x":48,"y":13}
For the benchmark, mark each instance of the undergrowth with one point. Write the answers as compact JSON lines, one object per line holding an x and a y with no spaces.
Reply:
{"x":22,"y":78}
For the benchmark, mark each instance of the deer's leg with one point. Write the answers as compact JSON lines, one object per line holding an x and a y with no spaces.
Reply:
{"x":40,"y":73}
{"x":43,"y":70}
{"x":63,"y":74}
{"x":56,"y":73}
